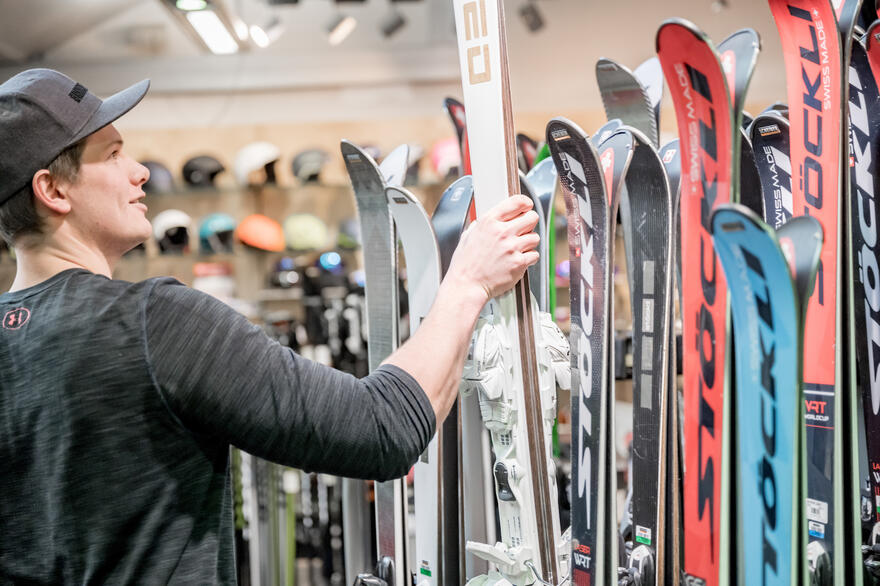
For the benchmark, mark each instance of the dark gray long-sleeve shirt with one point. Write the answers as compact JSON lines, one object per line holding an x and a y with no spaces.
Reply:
{"x":118,"y":403}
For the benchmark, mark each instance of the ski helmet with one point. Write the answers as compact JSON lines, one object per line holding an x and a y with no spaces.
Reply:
{"x":305,"y":232}
{"x":257,"y":156}
{"x":307,"y":165}
{"x":171,"y":229}
{"x":201,"y":171}
{"x":160,"y":180}
{"x":215,"y":234}
{"x":261,"y":232}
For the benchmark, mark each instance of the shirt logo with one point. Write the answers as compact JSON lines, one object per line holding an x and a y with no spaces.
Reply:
{"x":15,"y":318}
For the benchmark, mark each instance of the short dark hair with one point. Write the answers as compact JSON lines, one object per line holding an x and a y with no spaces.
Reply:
{"x":18,"y":215}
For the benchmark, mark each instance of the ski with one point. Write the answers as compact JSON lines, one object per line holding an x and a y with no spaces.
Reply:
{"x":538,"y":272}
{"x":769,"y":133}
{"x":587,"y":208}
{"x":624,"y":97}
{"x":483,"y":60}
{"x":650,"y":76}
{"x":708,"y":136}
{"x":455,"y":111}
{"x":421,"y":251}
{"x":648,"y":242}
{"x":465,"y":447}
{"x":380,"y":265}
{"x":544,"y":179}
{"x":864,"y":127}
{"x":750,"y":194}
{"x":815,"y":82}
{"x":768,"y":326}
{"x":526,"y":152}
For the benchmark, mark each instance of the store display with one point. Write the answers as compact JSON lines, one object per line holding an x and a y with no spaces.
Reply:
{"x":255,"y":164}
{"x":201,"y":171}
{"x":171,"y":231}
{"x":160,"y":180}
{"x":731,"y":439}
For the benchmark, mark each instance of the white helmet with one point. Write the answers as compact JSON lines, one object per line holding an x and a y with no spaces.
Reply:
{"x":171,"y":230}
{"x":255,"y":157}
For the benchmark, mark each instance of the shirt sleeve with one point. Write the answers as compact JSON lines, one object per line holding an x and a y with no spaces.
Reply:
{"x":222,"y":376}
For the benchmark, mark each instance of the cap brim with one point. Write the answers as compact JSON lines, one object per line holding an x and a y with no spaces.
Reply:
{"x":113,"y":108}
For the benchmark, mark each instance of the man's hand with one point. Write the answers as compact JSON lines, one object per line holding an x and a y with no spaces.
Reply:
{"x":491,"y":257}
{"x":496,"y":250}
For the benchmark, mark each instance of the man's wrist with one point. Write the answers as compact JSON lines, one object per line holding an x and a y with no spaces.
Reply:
{"x":465,"y":294}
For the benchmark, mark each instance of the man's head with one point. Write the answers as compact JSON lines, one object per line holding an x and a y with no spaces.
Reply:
{"x":62,"y":163}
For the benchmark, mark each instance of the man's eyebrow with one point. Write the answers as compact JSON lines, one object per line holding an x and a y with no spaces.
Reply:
{"x":116,"y":142}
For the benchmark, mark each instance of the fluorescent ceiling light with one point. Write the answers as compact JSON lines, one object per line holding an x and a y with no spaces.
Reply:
{"x":263,"y":36}
{"x":241,"y":29}
{"x":188,"y":5}
{"x":213,"y":32}
{"x":340,"y":27}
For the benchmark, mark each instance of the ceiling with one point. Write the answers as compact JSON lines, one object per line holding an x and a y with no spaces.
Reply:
{"x":107,"y":44}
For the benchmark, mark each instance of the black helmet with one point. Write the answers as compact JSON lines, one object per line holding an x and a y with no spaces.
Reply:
{"x":160,"y":180}
{"x":201,"y":171}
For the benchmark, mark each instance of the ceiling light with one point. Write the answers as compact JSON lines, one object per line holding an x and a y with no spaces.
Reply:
{"x":263,"y":36}
{"x":339,"y":28}
{"x":531,"y":16}
{"x":191,"y":5}
{"x":213,"y":32}
{"x":241,"y":29}
{"x":391,"y":24}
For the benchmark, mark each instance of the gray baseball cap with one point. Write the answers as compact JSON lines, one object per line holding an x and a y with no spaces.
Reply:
{"x":42,"y":112}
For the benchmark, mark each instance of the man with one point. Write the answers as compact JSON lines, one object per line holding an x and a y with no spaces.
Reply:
{"x":118,"y":401}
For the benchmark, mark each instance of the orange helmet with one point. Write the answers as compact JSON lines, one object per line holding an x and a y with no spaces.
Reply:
{"x":261,"y":232}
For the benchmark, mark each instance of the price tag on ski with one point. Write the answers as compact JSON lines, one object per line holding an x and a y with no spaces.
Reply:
{"x":815,"y":65}
{"x":698,"y":85}
{"x":483,"y":58}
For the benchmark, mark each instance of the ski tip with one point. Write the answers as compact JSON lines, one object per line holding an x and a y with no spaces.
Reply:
{"x":679,"y":23}
{"x":561,"y":127}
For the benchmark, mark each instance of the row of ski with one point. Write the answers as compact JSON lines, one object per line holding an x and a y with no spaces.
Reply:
{"x":765,"y":467}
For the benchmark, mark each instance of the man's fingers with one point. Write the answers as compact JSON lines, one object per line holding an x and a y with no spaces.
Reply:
{"x":524,"y":223}
{"x":511,"y":207}
{"x":531,"y":257}
{"x":529,"y":241}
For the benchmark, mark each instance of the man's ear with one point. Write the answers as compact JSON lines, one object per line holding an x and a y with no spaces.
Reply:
{"x":50,"y":192}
